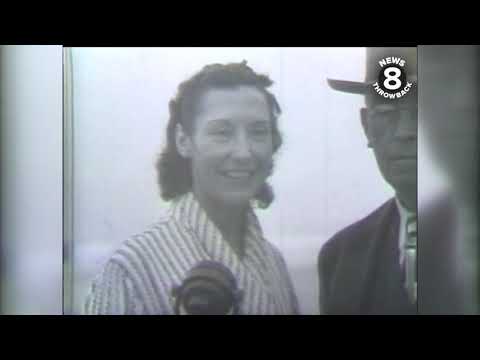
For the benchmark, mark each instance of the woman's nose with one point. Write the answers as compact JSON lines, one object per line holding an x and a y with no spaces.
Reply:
{"x":241,"y":147}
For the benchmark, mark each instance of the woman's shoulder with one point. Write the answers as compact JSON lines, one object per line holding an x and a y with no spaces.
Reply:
{"x":155,"y":235}
{"x":131,"y":273}
{"x":165,"y":240}
{"x":272,"y":250}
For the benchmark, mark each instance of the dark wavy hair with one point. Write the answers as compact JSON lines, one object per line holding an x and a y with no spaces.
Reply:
{"x":174,"y":171}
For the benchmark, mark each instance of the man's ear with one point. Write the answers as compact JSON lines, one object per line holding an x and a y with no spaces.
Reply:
{"x":183,"y":142}
{"x":364,"y":119}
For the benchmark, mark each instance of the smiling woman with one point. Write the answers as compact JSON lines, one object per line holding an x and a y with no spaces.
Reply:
{"x":230,"y":150}
{"x":221,"y":138}
{"x":130,"y":116}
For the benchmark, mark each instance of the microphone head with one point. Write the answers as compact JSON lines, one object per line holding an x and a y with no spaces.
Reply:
{"x":208,"y":289}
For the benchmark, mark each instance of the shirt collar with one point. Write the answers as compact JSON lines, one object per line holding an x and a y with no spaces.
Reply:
{"x":187,"y":210}
{"x":252,"y":271}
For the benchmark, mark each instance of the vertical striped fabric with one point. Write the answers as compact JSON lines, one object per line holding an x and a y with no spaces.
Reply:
{"x":140,"y":276}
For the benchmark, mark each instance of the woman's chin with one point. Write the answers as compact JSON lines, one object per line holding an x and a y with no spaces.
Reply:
{"x":236,"y":198}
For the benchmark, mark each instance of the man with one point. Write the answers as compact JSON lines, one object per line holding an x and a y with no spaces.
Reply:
{"x":370,"y":266}
{"x":448,"y":223}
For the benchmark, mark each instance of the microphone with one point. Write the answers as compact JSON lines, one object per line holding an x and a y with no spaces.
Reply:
{"x":208,"y":289}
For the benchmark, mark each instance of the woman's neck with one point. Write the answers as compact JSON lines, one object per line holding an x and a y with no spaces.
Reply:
{"x":229,"y":219}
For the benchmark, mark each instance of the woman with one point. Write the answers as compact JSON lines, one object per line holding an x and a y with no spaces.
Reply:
{"x":221,"y":137}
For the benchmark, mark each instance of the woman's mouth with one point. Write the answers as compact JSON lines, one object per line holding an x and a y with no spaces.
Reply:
{"x":238,"y":174}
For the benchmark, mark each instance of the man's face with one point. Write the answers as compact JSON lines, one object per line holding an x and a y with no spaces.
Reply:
{"x":391,"y":130}
{"x":232,"y":144}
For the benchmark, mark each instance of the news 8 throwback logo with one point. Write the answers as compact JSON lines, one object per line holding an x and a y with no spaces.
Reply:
{"x":392,"y":79}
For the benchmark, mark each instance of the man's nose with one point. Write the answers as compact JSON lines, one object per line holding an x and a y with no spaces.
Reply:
{"x":407,"y":126}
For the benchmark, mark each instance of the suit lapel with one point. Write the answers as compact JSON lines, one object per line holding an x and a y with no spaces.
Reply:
{"x":359,"y":265}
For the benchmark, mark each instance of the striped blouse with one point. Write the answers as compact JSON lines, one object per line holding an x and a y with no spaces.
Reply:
{"x":140,"y":276}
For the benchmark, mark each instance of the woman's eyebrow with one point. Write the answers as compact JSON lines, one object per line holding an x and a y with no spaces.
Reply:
{"x":253,"y":120}
{"x":218,"y":121}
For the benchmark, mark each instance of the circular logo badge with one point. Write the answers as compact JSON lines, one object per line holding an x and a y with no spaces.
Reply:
{"x":392,"y":78}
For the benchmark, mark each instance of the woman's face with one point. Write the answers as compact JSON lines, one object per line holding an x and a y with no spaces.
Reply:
{"x":231,"y":144}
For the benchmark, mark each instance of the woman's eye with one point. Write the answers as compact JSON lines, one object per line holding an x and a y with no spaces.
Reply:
{"x":222,"y":133}
{"x":260,"y":132}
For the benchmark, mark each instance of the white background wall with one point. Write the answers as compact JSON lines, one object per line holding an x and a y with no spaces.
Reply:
{"x":325,"y":178}
{"x":31,"y":155}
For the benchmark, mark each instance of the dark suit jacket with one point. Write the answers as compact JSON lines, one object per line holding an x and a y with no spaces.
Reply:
{"x":359,"y":270}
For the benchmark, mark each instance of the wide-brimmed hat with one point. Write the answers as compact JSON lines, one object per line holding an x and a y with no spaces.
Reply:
{"x":373,"y":68}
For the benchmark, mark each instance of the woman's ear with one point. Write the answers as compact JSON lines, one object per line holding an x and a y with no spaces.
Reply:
{"x":183,"y":142}
{"x":364,"y":119}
